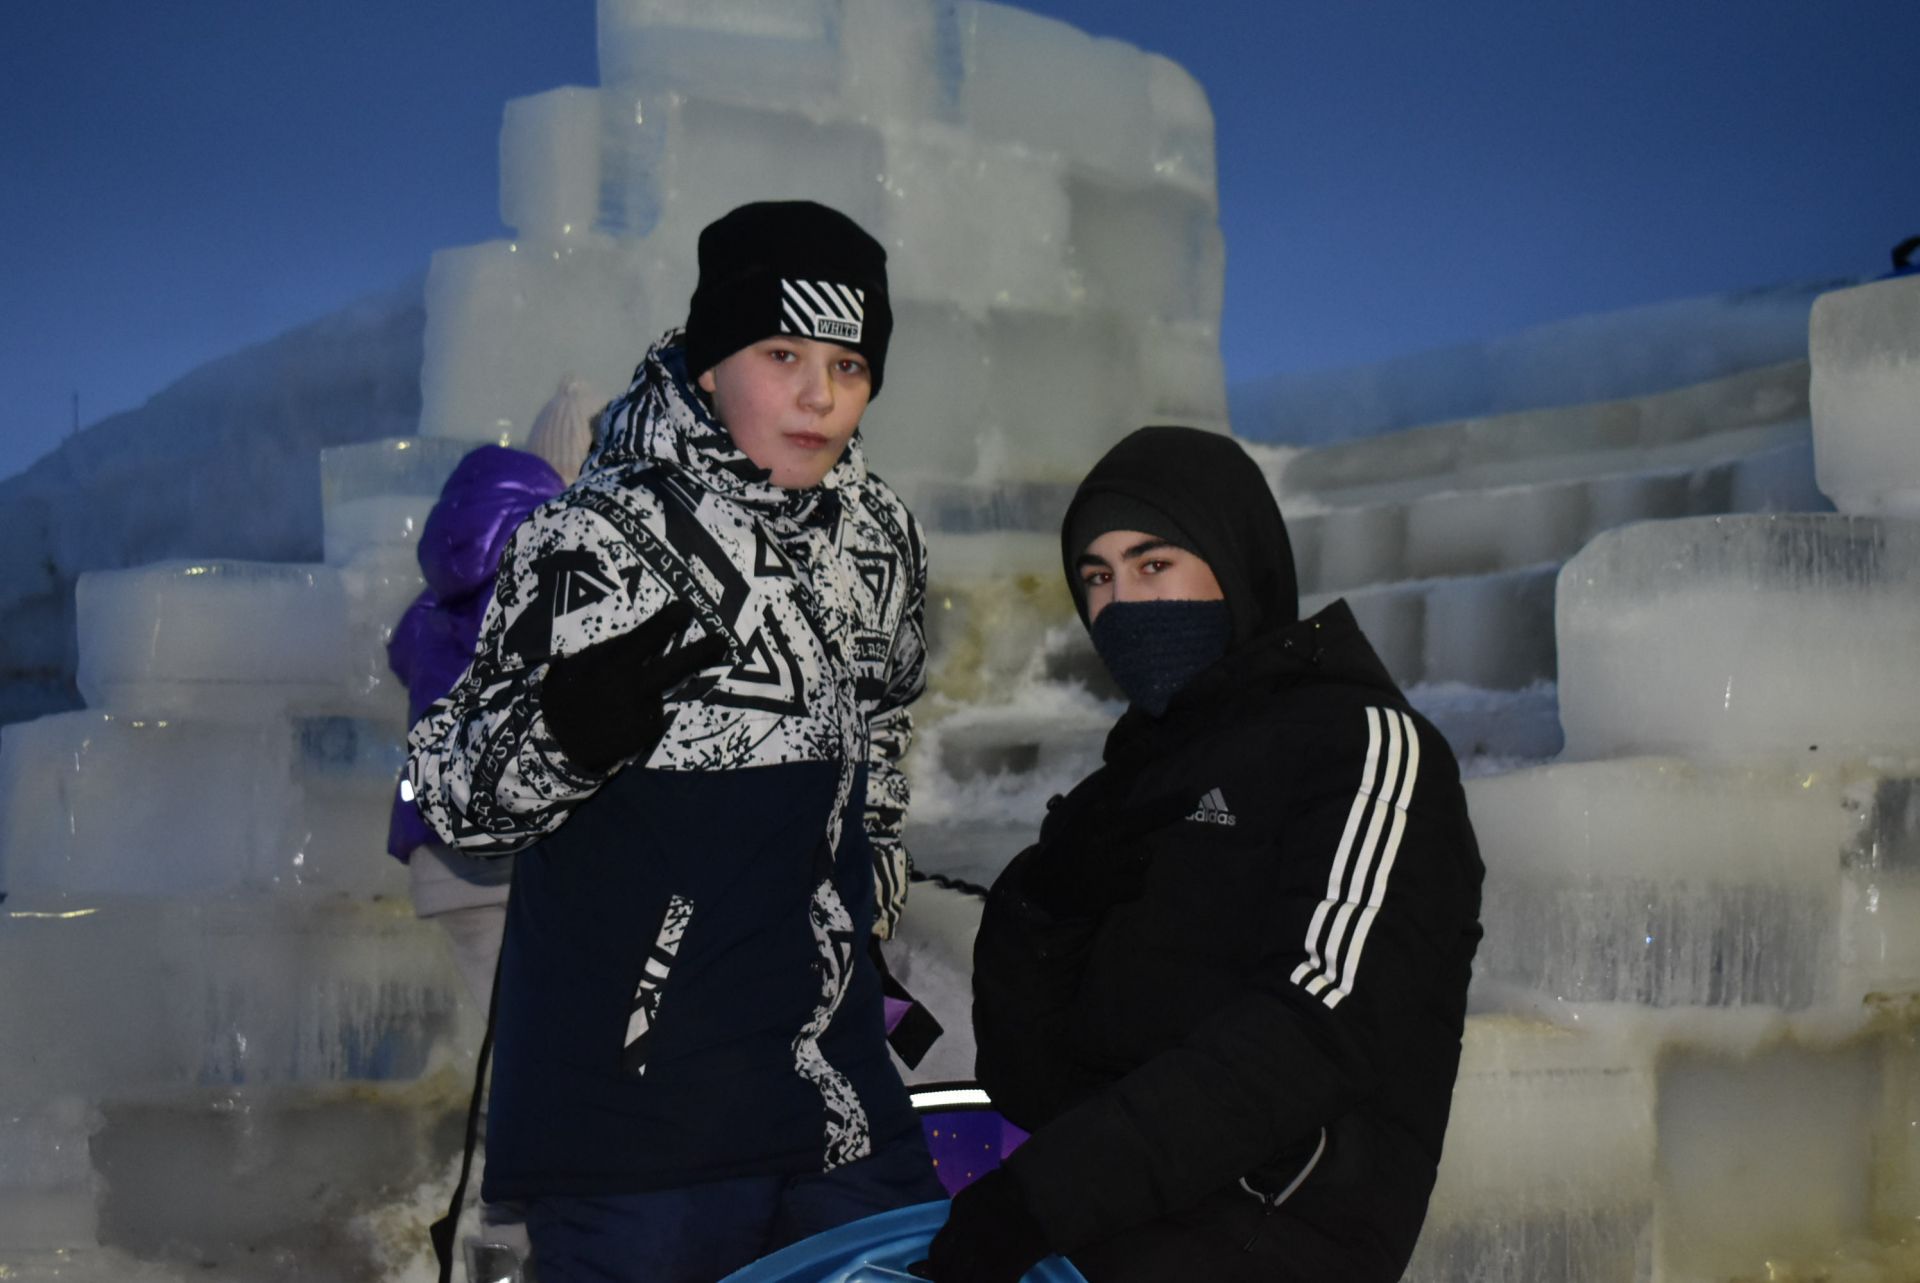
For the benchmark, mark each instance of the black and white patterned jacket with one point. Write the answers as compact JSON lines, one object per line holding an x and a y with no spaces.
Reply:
{"x":684,"y":995}
{"x":820,"y":594}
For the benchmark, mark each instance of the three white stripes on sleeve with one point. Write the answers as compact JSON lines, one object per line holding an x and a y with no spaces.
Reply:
{"x":1358,"y":881}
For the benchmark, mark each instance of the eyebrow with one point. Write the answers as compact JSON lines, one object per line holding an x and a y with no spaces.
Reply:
{"x":1138,"y":550}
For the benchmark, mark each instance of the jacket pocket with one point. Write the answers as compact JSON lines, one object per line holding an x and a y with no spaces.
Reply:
{"x":1277,"y":1182}
{"x":643,"y":1019}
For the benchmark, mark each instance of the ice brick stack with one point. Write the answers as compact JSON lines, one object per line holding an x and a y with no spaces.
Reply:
{"x":1715,"y":893}
{"x":1046,"y":199}
{"x":1866,"y":396}
{"x":1446,"y":539}
{"x":206,"y":949}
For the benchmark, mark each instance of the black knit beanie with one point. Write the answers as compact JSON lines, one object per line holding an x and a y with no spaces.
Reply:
{"x":788,"y":267}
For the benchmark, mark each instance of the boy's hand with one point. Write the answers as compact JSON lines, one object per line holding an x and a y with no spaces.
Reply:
{"x":604,"y":704}
{"x":989,"y":1237}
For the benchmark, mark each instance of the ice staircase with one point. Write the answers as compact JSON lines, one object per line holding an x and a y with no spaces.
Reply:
{"x":1691,"y":1054}
{"x":1445,"y":540}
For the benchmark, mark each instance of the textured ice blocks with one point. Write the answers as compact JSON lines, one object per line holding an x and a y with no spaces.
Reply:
{"x":1866,"y":397}
{"x":1046,"y":198}
{"x":1666,"y":883}
{"x":110,"y":804}
{"x":1741,"y":636}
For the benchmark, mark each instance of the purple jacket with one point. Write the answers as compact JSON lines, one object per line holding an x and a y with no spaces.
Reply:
{"x":489,"y":494}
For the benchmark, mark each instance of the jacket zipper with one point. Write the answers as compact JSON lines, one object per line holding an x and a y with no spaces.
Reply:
{"x":1273,"y":1201}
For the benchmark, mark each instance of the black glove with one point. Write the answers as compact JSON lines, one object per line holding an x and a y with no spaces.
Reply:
{"x":989,"y":1237}
{"x":603,"y":704}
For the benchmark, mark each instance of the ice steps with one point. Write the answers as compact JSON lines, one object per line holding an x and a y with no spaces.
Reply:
{"x":1660,"y":431}
{"x":1472,"y":531}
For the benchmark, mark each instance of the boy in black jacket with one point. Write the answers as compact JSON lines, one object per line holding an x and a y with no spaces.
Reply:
{"x":1226,"y":989}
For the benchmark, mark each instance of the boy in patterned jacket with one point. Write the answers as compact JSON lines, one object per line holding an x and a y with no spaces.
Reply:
{"x":687,"y":711}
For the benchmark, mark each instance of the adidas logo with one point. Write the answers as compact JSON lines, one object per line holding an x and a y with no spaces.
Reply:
{"x":1213,"y":810}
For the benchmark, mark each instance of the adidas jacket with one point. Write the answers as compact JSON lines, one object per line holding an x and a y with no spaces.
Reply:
{"x":684,"y":990}
{"x":1261,"y":1045}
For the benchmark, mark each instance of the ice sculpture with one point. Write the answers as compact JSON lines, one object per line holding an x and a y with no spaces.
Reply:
{"x":1047,"y":200}
{"x":1743,"y":635}
{"x":218,"y":998}
{"x":1866,"y":397}
{"x":209,"y":960}
{"x":1693,"y":1047}
{"x":1719,"y":880}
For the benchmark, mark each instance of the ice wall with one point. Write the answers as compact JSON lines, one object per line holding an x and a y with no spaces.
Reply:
{"x":1718,"y":887}
{"x":1739,"y":635}
{"x":1046,"y":199}
{"x":210,"y":963}
{"x":1866,"y":397}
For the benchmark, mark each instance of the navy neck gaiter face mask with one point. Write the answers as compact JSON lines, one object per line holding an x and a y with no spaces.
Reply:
{"x":1153,"y":648}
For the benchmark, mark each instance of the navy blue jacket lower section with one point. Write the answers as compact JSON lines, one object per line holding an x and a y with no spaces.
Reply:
{"x":720,"y":1094}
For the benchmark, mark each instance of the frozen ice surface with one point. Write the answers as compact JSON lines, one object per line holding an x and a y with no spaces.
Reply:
{"x":1492,"y":631}
{"x":1493,"y":731}
{"x":217,"y":636}
{"x":377,"y":494}
{"x":1000,"y":209}
{"x":1000,"y":762}
{"x":285,"y":1183}
{"x":1630,"y":353}
{"x":112,"y":996}
{"x":99,"y":804}
{"x":1152,"y":251}
{"x":1466,"y":531}
{"x":47,"y":1183}
{"x":1742,"y":635}
{"x":1046,"y":198}
{"x":1771,"y":1156}
{"x":1668,"y":883}
{"x":550,"y":164}
{"x":1865,"y":345}
{"x":359,"y":526}
{"x":96,"y":802}
{"x":938,"y":369}
{"x":998,"y":619}
{"x":1559,"y":442}
{"x":900,"y":60}
{"x":1181,"y":375}
{"x":784,"y":54}
{"x":93,"y":1265}
{"x":1548,"y":1167}
{"x":506,"y":319}
{"x":1052,"y":87}
{"x":725,"y":154}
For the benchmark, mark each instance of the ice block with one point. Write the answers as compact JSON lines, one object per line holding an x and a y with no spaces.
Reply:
{"x":1548,"y":1167}
{"x":219,"y":638}
{"x":1865,"y":344}
{"x":1742,"y":635}
{"x":1789,"y":884}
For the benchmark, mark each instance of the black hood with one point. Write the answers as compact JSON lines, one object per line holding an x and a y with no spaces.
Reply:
{"x":1207,"y":486}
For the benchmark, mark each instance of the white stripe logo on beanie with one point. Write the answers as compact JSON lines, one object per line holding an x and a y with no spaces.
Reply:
{"x":820,"y":310}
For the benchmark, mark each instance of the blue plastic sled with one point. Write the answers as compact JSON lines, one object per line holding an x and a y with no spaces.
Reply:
{"x":875,"y":1250}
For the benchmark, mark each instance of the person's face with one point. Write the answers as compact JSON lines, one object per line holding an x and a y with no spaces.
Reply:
{"x":791,"y":404}
{"x":1129,"y":565}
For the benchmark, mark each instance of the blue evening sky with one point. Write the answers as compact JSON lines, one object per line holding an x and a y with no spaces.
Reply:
{"x":178,"y":180}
